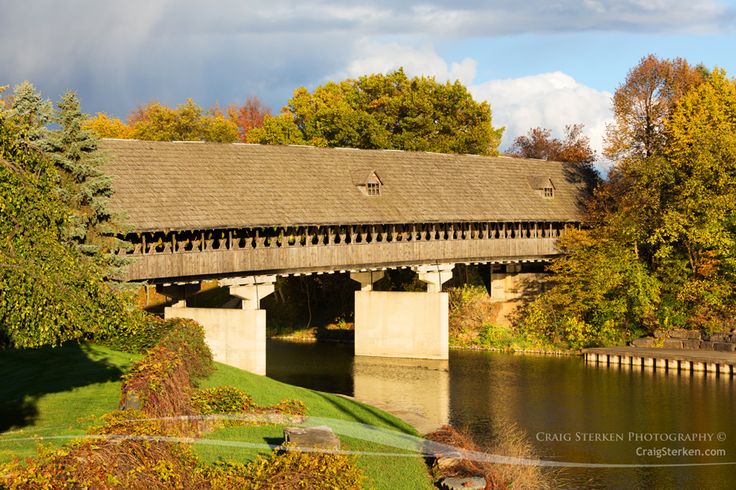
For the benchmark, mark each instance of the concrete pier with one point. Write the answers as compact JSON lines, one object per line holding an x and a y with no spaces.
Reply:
{"x":237,"y":337}
{"x":668,"y":360}
{"x":403,"y":324}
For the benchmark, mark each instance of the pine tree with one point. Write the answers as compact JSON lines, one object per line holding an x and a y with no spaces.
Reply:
{"x":83,"y":186}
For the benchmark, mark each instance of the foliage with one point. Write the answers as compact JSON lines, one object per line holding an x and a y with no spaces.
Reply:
{"x":510,"y":441}
{"x":470,"y":308}
{"x":291,"y":469}
{"x":109,"y":463}
{"x":186,"y":338}
{"x":140,"y":333}
{"x":642,"y":104}
{"x":49,"y":292}
{"x":186,"y":122}
{"x":104,"y":126}
{"x":221,"y":399}
{"x":539,"y":143}
{"x":248,"y":116}
{"x":92,"y":227}
{"x":385,"y":111}
{"x":662,"y":240}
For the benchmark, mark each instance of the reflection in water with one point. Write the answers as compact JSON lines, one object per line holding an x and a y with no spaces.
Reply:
{"x":551,"y":399}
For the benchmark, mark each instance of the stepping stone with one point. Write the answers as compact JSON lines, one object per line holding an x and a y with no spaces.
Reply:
{"x":319,"y":437}
{"x":466,"y":483}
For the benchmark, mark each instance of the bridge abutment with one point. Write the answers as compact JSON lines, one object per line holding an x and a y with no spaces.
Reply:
{"x":403,"y":324}
{"x":237,"y":337}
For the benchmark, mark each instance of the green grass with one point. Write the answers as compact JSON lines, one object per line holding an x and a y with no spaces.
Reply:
{"x":383,"y":472}
{"x":62,"y":391}
{"x":55,"y":392}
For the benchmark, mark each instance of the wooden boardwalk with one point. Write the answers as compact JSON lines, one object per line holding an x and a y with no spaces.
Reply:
{"x":710,"y":362}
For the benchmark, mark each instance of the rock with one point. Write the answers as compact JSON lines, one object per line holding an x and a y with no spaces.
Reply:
{"x":660,"y":333}
{"x":131,"y":401}
{"x":691,"y":344}
{"x":463,"y":483}
{"x":449,"y":460}
{"x":706,"y":345}
{"x":672,"y":344}
{"x":724,"y":347}
{"x":720,"y":337}
{"x":643,"y":342}
{"x":678,"y":333}
{"x":319,"y":437}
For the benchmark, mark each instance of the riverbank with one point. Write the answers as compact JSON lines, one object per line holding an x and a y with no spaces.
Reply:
{"x":85,"y":381}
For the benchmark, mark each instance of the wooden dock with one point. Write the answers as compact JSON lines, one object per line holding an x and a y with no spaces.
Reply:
{"x":685,"y":361}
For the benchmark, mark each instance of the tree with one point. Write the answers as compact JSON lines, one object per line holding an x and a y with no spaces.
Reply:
{"x":49,"y":292}
{"x":642,"y":104}
{"x":187,"y":122}
{"x":84,"y":188}
{"x":386,"y":111}
{"x":249,"y":115}
{"x":104,"y":126}
{"x":539,"y":143}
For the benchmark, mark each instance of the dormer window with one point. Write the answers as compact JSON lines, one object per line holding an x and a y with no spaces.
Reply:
{"x":373,"y":188}
{"x":368,"y":182}
{"x":543,"y":186}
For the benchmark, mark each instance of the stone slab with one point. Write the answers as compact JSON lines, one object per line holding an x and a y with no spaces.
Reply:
{"x":318,"y":437}
{"x":463,"y":483}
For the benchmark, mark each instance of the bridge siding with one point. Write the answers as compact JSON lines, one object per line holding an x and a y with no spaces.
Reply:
{"x":297,"y":258}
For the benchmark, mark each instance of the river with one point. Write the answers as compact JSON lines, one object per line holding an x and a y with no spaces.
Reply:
{"x":570,"y":411}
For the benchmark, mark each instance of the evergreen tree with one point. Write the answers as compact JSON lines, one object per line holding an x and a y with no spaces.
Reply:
{"x":86,"y":190}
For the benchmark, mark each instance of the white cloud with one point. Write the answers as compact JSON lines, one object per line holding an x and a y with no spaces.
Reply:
{"x":548,"y":100}
{"x":383,"y":58}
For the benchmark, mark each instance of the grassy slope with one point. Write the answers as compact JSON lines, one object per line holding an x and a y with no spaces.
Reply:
{"x":55,"y":392}
{"x":60,"y":392}
{"x":382,"y":472}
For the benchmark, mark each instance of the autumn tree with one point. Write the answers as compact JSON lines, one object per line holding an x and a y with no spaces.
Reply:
{"x":539,"y":143}
{"x":660,"y":244}
{"x":104,"y":126}
{"x":186,"y":122}
{"x":249,"y":115}
{"x":642,"y":104}
{"x":386,"y":111}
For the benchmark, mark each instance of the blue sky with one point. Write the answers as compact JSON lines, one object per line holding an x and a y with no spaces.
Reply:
{"x":539,"y":63}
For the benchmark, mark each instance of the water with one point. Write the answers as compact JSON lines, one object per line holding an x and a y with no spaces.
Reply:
{"x":571,"y":411}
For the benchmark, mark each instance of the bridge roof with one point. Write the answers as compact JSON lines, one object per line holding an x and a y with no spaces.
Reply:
{"x":192,"y":185}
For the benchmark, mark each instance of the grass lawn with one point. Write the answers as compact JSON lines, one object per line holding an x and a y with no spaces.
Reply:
{"x":383,"y":472}
{"x":61,"y":391}
{"x":55,"y":392}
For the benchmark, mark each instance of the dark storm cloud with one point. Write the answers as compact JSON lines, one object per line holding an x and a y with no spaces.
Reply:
{"x":120,"y":54}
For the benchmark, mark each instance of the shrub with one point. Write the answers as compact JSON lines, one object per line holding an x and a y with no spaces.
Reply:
{"x":141,"y":333}
{"x":290,"y":470}
{"x":159,"y":383}
{"x":186,"y":338}
{"x":221,"y":399}
{"x":110,"y":463}
{"x":470,"y":309}
{"x":290,"y":407}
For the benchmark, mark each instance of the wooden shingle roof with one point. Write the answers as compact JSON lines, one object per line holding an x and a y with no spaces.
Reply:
{"x":187,"y":186}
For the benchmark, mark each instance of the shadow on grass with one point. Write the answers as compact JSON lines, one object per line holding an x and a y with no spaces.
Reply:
{"x":28,"y":374}
{"x":348,"y":408}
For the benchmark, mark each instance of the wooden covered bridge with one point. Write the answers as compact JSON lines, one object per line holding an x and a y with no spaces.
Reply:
{"x":243,"y":214}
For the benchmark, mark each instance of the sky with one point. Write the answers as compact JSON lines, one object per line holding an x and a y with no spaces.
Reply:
{"x":540,"y":63}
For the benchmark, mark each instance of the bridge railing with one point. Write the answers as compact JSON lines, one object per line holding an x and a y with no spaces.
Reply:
{"x":294,"y":248}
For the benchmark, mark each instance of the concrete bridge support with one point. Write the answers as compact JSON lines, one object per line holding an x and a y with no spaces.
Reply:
{"x":237,"y":337}
{"x":403,"y":324}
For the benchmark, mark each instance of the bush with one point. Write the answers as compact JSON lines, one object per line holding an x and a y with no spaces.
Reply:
{"x":159,"y":383}
{"x":290,"y":407}
{"x":290,"y":470}
{"x":186,"y":338}
{"x":221,"y":399}
{"x":470,"y":309}
{"x":141,"y":333}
